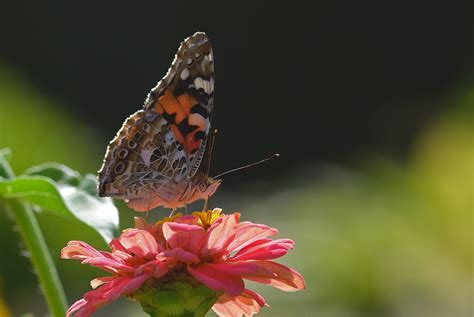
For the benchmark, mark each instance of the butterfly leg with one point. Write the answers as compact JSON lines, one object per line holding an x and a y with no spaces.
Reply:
{"x":147,"y":215}
{"x":172,"y":212}
{"x":206,"y":204}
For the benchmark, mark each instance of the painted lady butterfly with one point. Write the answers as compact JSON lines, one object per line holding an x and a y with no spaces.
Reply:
{"x":155,"y":158}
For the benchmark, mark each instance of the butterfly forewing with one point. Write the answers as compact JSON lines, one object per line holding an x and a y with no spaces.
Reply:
{"x":184,"y":97}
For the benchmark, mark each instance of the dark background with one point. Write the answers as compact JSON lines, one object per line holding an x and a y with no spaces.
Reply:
{"x":320,"y":81}
{"x":331,"y":85}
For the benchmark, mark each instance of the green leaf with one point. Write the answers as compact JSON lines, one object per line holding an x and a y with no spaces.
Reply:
{"x":63,"y":199}
{"x":57,"y":172}
{"x":37,"y":190}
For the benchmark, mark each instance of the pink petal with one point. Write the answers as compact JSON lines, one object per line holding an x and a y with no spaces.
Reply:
{"x":156,"y":268}
{"x":185,"y":236}
{"x":79,"y":250}
{"x":187,"y":219}
{"x":233,"y":268}
{"x":179,"y":255}
{"x":247,"y":233}
{"x":109,"y":265}
{"x":77,"y":307}
{"x":256,"y":296}
{"x":248,"y":304}
{"x":101,"y":280}
{"x":118,"y":250}
{"x":161,"y":269}
{"x":106,"y":293}
{"x":220,"y":235}
{"x":140,"y":243}
{"x":217,"y":280}
{"x":277,"y":275}
{"x":264,"y":249}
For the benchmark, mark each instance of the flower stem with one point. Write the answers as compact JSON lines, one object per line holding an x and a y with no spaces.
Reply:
{"x":36,"y":245}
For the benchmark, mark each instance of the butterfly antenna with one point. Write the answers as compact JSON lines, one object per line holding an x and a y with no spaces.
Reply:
{"x":271,"y":157}
{"x":211,"y":147}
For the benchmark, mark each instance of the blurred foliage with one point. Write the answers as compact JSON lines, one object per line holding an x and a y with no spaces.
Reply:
{"x":4,"y":310}
{"x":384,"y":240}
{"x":38,"y":130}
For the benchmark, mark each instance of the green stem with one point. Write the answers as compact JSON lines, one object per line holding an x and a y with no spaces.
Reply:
{"x":36,"y":245}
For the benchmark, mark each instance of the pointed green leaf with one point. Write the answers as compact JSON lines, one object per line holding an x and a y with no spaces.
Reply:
{"x":57,"y":172}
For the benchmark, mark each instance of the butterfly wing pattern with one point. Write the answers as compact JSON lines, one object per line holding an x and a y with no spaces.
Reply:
{"x":154,"y":160}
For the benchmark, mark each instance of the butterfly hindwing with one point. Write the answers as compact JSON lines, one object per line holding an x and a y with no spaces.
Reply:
{"x":144,"y":158}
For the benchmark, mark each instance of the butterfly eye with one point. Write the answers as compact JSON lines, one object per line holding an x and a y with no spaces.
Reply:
{"x":202,"y":186}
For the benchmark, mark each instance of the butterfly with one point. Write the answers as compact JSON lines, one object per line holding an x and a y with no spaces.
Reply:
{"x":155,"y":158}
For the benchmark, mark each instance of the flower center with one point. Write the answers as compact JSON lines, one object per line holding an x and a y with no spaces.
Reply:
{"x":207,"y":218}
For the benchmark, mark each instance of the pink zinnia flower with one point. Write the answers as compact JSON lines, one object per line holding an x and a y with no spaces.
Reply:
{"x":209,"y":248}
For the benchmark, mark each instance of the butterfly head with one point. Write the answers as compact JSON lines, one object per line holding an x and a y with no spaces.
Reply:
{"x":203,"y":187}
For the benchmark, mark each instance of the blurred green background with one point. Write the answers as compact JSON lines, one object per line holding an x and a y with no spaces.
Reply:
{"x":381,"y":229}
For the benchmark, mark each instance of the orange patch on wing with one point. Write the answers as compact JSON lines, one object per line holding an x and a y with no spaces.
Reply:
{"x":171,"y":105}
{"x":191,"y":143}
{"x":181,"y":106}
{"x":177,"y":134}
{"x":198,"y":120}
{"x":159,"y":108}
{"x":187,"y":102}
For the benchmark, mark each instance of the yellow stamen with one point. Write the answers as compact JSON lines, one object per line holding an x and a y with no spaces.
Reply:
{"x":169,"y":219}
{"x":207,"y":218}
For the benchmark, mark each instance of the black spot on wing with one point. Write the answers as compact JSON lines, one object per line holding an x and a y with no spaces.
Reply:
{"x":170,"y":118}
{"x":200,"y":109}
{"x":200,"y":95}
{"x":185,"y":128}
{"x":199,"y":135}
{"x":181,"y":86}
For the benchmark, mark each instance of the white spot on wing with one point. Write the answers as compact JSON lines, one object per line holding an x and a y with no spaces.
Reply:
{"x":169,"y":138}
{"x":179,"y":154}
{"x":207,"y":86}
{"x":198,"y":83}
{"x":212,"y":84}
{"x":184,"y":74}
